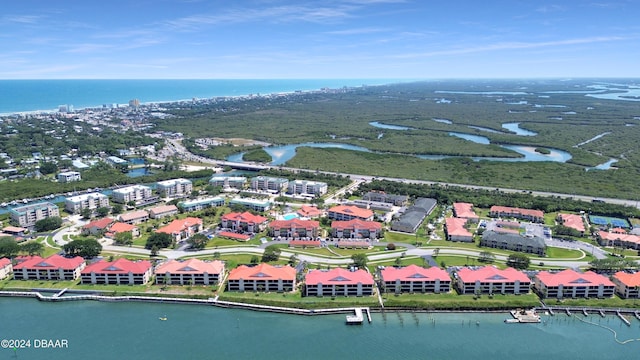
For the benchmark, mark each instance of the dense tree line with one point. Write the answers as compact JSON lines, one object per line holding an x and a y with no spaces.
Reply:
{"x":488,"y":198}
{"x":336,"y":181}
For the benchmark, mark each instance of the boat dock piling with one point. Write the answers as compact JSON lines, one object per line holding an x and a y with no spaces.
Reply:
{"x":624,"y":319}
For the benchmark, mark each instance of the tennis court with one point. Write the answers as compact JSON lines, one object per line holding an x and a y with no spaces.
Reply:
{"x":605,"y":220}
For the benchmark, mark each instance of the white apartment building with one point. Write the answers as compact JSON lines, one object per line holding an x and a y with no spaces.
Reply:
{"x":175,"y":188}
{"x":235,"y":182}
{"x":138,"y":193}
{"x":75,"y":204}
{"x":69,"y":176}
{"x":28,"y":215}
{"x":304,"y":187}
{"x":266,"y":183}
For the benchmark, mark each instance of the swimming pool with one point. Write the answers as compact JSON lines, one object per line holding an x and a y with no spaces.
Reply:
{"x":290,"y":216}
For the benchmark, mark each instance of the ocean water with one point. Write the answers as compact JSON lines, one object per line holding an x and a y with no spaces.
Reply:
{"x":98,"y":330}
{"x":47,"y":95}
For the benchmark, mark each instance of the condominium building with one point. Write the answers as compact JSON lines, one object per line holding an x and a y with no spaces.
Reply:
{"x":92,"y":201}
{"x":199,"y":204}
{"x":69,"y":176}
{"x":28,"y":215}
{"x":345,"y":212}
{"x":304,"y":187}
{"x":252,"y":204}
{"x":118,"y":272}
{"x":572,"y":284}
{"x":262,"y":277}
{"x":234,"y":182}
{"x":55,"y":267}
{"x":415,"y":279}
{"x":491,"y":280}
{"x":266,"y":183}
{"x":175,"y":188}
{"x":138,"y":194}
{"x":338,"y":282}
{"x":190,"y":272}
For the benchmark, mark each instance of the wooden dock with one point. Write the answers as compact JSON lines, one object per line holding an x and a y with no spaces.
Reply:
{"x":356,"y":319}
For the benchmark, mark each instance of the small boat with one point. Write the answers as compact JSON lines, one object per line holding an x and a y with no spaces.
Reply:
{"x":164,"y":318}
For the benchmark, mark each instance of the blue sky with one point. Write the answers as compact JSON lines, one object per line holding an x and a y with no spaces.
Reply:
{"x":389,"y":39}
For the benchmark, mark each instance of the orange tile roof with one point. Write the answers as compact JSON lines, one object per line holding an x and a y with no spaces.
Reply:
{"x":312,"y":243}
{"x":4,"y":262}
{"x":570,"y":277}
{"x":294,"y":224}
{"x":244,"y":217}
{"x":356,"y":224}
{"x":121,"y":227}
{"x":52,"y":262}
{"x":309,"y":211}
{"x":163,"y":209}
{"x":352,"y":211}
{"x":14,"y":229}
{"x":119,"y":266}
{"x":513,"y":210}
{"x":99,"y":224}
{"x":338,"y":276}
{"x":133,"y":215}
{"x":191,"y":266}
{"x":414,"y":273}
{"x":572,"y":221}
{"x":491,"y":274}
{"x":176,"y":226}
{"x":232,"y":235}
{"x":628,"y":280}
{"x":464,"y":210}
{"x":622,"y":237}
{"x":455,"y":227}
{"x":263,"y":272}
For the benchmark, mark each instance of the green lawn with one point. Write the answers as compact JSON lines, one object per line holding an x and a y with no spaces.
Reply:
{"x":454,"y":301}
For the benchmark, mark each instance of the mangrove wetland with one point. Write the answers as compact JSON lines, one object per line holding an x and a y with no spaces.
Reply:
{"x":561,"y":136}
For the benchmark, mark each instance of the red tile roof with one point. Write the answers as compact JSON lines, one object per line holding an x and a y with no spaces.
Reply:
{"x":121,"y":227}
{"x":491,"y":274}
{"x":309,"y":211}
{"x":518,"y":211}
{"x":464,"y":210}
{"x":622,"y":237}
{"x":119,"y":266}
{"x":311,"y":243}
{"x":455,"y":227}
{"x":99,"y":224}
{"x":356,"y":224}
{"x":244,"y":217}
{"x":294,"y":224}
{"x":191,"y":266}
{"x":572,"y":278}
{"x":629,"y":280}
{"x":572,"y":221}
{"x":52,"y":262}
{"x":338,"y":276}
{"x":232,"y":235}
{"x":177,"y":226}
{"x":354,"y":211}
{"x":4,"y":262}
{"x":13,"y":229}
{"x":163,"y":209}
{"x":263,"y":272}
{"x":133,"y":215}
{"x":414,"y":273}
